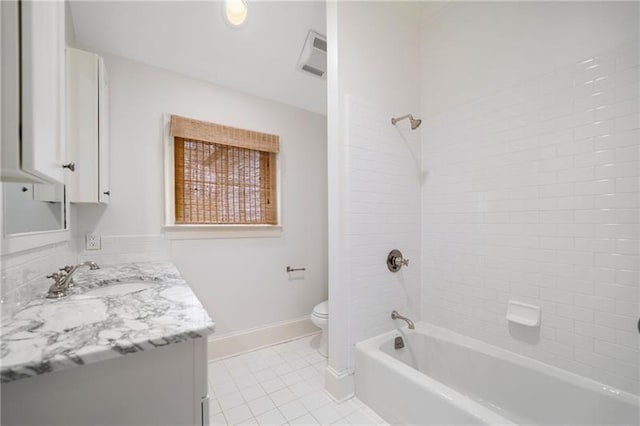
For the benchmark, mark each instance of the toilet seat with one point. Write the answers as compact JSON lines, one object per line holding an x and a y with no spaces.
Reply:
{"x":321,"y":310}
{"x":320,"y":315}
{"x":320,"y":318}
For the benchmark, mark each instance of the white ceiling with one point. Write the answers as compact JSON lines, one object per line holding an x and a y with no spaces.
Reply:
{"x":192,"y":38}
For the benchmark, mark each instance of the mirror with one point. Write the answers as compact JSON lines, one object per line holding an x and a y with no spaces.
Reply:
{"x":32,"y":208}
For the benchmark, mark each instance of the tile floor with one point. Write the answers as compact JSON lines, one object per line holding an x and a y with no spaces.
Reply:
{"x":279,"y":385}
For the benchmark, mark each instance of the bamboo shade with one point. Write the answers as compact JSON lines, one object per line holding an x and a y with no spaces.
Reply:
{"x":223,"y":184}
{"x":191,"y":129}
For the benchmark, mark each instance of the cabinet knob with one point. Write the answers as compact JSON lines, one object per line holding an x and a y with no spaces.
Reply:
{"x":107,"y":192}
{"x":71,"y":166}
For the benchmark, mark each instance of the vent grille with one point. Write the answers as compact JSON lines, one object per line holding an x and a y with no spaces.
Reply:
{"x":313,"y":58}
{"x":321,"y":44}
{"x":313,"y":70}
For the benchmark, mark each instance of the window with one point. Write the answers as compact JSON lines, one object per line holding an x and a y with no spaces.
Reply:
{"x":223,"y":175}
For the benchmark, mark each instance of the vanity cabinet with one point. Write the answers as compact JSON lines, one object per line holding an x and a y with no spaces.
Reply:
{"x":127,"y":346}
{"x":33,"y":91}
{"x":88,"y":127}
{"x":166,"y":386}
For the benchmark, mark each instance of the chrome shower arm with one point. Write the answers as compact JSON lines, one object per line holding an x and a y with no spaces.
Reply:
{"x":415,"y":122}
{"x":395,"y":120}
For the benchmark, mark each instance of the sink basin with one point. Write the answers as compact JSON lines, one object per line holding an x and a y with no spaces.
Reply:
{"x":119,"y":289}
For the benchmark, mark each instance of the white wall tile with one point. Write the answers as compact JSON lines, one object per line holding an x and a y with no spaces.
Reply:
{"x":383,"y":213}
{"x":24,"y":274}
{"x":557,"y":227}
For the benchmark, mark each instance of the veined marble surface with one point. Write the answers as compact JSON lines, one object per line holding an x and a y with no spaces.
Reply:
{"x":49,"y":335}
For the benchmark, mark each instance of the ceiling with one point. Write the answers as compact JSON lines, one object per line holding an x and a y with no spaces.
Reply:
{"x":192,"y":38}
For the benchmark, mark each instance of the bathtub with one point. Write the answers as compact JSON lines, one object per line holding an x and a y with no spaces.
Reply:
{"x":441,"y":377}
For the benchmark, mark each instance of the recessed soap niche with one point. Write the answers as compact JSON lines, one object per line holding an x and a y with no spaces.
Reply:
{"x":523,"y":314}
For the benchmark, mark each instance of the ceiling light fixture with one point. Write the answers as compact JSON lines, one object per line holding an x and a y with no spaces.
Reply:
{"x":235,"y":12}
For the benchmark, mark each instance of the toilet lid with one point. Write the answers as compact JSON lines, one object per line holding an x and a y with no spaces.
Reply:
{"x":322,"y":309}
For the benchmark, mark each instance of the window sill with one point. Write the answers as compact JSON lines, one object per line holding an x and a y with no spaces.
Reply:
{"x":198,"y":232}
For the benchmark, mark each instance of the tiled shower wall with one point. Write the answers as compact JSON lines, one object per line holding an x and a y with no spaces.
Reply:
{"x":383,"y":213}
{"x":532,"y":195}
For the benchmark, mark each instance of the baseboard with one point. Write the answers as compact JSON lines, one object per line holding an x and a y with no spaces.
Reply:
{"x":260,"y":337}
{"x":339,"y":385}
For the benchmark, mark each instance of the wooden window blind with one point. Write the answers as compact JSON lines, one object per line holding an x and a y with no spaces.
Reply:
{"x":223,"y":175}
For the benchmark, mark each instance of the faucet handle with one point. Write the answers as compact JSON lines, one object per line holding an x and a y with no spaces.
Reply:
{"x":92,"y":265}
{"x":66,"y":269}
{"x":56,"y":276}
{"x":401,"y":261}
{"x":395,"y":260}
{"x":56,"y":291}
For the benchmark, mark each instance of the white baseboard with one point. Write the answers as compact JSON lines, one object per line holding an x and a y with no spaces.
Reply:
{"x":259,"y":337}
{"x":339,"y":385}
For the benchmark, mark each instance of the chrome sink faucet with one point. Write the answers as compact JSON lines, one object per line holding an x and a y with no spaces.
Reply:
{"x":395,"y":315}
{"x":63,"y":280}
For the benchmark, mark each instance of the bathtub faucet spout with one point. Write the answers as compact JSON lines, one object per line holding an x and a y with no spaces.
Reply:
{"x":395,"y":315}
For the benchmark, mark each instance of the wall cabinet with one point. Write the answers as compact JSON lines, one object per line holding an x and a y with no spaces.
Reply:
{"x":33,"y":91}
{"x":88,"y":127}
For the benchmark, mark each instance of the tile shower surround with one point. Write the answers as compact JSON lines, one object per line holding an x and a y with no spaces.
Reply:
{"x":383,"y":210}
{"x":532,"y":195}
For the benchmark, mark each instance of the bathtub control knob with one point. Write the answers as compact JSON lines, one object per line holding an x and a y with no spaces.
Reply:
{"x":395,"y":261}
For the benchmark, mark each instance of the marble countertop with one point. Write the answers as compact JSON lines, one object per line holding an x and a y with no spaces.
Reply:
{"x":55,"y":334}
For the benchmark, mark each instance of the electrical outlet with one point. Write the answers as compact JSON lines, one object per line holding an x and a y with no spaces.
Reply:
{"x":92,"y":241}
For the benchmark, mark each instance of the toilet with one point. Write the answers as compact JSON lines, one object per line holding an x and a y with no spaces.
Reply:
{"x":320,"y":317}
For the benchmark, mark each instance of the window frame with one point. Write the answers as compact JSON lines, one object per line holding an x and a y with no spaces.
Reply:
{"x":214,"y":230}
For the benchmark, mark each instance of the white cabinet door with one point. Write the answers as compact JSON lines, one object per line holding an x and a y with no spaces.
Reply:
{"x":88,"y":127}
{"x":43,"y":89}
{"x":153,"y":387}
{"x":82,"y":103}
{"x":103,"y":133}
{"x":10,"y":79}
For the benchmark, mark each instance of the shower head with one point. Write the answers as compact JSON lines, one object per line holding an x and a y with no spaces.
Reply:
{"x":415,"y":122}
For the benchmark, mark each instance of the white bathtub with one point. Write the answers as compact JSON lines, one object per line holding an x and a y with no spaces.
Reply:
{"x":441,"y":377}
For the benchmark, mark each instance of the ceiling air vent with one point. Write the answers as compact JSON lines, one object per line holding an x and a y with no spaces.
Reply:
{"x":313,"y":58}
